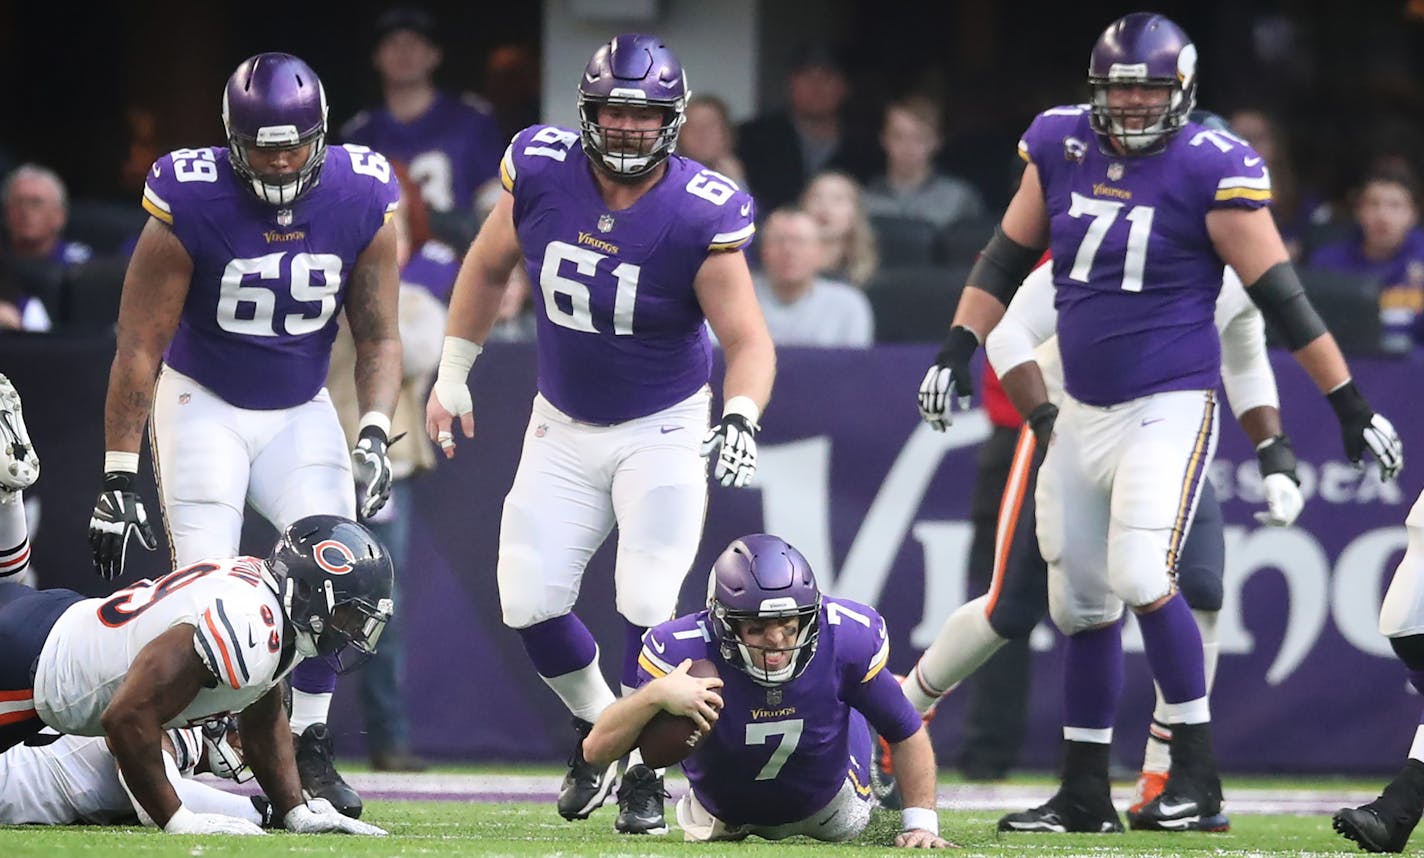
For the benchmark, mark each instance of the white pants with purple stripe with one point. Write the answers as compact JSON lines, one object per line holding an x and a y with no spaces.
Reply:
{"x":1115,"y":498}
{"x":844,"y":818}
{"x":212,"y":458}
{"x":575,"y":481}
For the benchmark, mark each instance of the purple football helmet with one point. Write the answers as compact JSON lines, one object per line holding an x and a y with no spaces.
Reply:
{"x":1142,"y":49}
{"x":762,"y":577}
{"x":275,"y":101}
{"x":639,"y":71}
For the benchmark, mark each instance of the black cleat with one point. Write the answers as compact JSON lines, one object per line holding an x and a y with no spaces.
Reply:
{"x":316,"y":765}
{"x":1065,"y":813}
{"x":640,"y":802}
{"x":1375,"y":827}
{"x":586,"y":786}
{"x":1191,"y":798}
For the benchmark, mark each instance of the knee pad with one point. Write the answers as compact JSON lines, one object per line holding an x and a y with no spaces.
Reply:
{"x":1410,"y":650}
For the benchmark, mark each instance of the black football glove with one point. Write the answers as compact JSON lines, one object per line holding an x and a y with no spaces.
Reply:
{"x":371,"y":465}
{"x":1041,"y":420}
{"x":1363,"y":429}
{"x":118,"y":516}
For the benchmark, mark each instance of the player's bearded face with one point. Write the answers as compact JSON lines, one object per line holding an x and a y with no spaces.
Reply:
{"x":628,"y":129}
{"x":772,"y":642}
{"x":278,"y":162}
{"x":1135,"y":107}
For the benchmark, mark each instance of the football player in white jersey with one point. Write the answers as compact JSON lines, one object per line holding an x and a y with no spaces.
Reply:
{"x":203,"y":642}
{"x":54,"y":779}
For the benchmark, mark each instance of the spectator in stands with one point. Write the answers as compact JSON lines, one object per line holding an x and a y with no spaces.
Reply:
{"x":19,"y":311}
{"x":429,"y":262}
{"x":451,"y":144}
{"x":801,"y":307}
{"x":512,"y":87}
{"x":1387,"y":246}
{"x":36,"y":209}
{"x":422,"y":328}
{"x":848,"y":248}
{"x":911,"y":187}
{"x":1299,"y":211}
{"x":782,"y":151}
{"x":709,"y":137}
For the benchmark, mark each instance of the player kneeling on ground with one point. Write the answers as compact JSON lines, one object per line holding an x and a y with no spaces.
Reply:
{"x":782,"y":741}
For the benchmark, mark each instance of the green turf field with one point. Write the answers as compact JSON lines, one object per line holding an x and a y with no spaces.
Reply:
{"x":452,"y":828}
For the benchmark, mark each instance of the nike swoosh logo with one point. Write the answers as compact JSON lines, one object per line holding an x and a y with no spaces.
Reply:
{"x":666,"y":429}
{"x":1251,"y":162}
{"x":251,"y":641}
{"x":1153,"y":420}
{"x":1176,"y":809}
{"x":657,"y":644}
{"x":746,"y":209}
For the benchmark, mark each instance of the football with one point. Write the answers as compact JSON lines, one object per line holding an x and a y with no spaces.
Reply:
{"x":668,"y":739}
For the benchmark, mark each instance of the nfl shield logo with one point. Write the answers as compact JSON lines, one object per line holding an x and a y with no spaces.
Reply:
{"x":605,"y":223}
{"x":773,"y":696}
{"x":541,"y":430}
{"x":284,"y":217}
{"x":184,"y":398}
{"x":1114,"y":171}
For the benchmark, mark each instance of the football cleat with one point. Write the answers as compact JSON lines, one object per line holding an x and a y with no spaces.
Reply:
{"x":586,"y":786}
{"x":316,"y":765}
{"x":1377,"y":826}
{"x":1149,"y":786}
{"x":1066,"y":813}
{"x":640,"y":802}
{"x":19,"y":466}
{"x":1185,"y":804}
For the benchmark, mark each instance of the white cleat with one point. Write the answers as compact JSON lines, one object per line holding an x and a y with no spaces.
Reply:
{"x":19,"y":466}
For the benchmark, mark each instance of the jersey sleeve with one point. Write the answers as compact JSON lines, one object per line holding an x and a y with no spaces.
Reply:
{"x":175,"y":179}
{"x":534,"y":151}
{"x":665,"y":646}
{"x":232,"y":640}
{"x":863,"y":649}
{"x":1050,"y":131}
{"x":1235,"y":171}
{"x":733,"y":222}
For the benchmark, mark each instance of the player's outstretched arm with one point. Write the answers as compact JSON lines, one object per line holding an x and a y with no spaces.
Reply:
{"x":728,"y":300}
{"x":1248,"y":241}
{"x":372,"y":311}
{"x":165,"y":677}
{"x":915,"y":771}
{"x":1002,"y":265}
{"x":474,"y":305}
{"x":155,"y":288}
{"x":616,"y":730}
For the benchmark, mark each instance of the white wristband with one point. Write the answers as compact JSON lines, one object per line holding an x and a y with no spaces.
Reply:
{"x":922,"y":818}
{"x":377,"y":419}
{"x":182,"y":818}
{"x":118,"y":460}
{"x":457,"y":356}
{"x":744,"y":406}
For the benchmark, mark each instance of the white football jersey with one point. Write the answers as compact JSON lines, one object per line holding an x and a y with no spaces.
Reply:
{"x":237,"y":623}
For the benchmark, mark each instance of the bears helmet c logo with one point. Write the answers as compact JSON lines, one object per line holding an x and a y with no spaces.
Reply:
{"x":328,"y":550}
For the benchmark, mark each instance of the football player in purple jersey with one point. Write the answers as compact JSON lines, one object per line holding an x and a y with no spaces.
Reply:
{"x":801,"y":677}
{"x":1142,"y":208}
{"x":230,"y":301}
{"x":630,"y":251}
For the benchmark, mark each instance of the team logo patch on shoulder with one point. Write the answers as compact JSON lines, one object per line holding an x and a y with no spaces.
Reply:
{"x":1115,"y":171}
{"x":605,"y":222}
{"x":1074,"y":149}
{"x":335,"y":557}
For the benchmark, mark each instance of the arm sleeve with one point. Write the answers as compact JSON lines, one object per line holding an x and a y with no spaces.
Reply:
{"x":1245,"y":365}
{"x":886,"y":707}
{"x":1029,"y":321}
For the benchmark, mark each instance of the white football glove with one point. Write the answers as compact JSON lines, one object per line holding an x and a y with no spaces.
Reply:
{"x":185,"y":821}
{"x":318,"y":816}
{"x":948,"y":382}
{"x":1384,"y":444}
{"x":1283,"y":501}
{"x":734,"y":442}
{"x":1363,"y":430}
